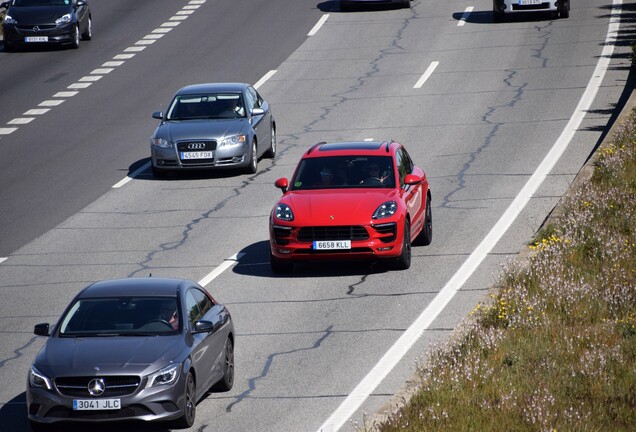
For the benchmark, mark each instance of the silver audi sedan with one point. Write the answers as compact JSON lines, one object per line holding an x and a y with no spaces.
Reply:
{"x":142,"y":349}
{"x":217,"y":125}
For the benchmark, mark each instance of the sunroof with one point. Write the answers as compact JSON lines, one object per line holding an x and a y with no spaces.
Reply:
{"x":374,"y":145}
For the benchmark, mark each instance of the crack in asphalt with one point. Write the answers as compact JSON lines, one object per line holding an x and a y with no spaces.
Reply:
{"x":17,"y":352}
{"x":268,"y":364}
{"x":187,"y":230}
{"x":374,"y":69}
{"x":334,"y":299}
{"x":544,"y":34}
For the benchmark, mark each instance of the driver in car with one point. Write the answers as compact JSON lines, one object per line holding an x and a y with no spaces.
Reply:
{"x":373,"y":174}
{"x":168,"y":313}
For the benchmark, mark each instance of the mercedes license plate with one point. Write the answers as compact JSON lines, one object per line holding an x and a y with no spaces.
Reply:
{"x":197,"y":155}
{"x":332,"y":244}
{"x":530,"y":2}
{"x":36,"y":38}
{"x":96,"y":404}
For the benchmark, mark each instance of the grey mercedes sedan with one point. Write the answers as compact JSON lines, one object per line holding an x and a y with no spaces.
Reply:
{"x":222,"y":125}
{"x":132,"y":349}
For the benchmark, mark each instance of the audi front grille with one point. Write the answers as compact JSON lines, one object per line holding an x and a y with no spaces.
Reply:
{"x":195,"y":146}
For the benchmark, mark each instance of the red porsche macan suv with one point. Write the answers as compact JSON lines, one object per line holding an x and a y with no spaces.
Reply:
{"x":351,"y":200}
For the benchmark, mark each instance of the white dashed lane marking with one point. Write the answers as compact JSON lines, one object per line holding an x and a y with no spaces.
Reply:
{"x":426,"y":75}
{"x":65,"y":94}
{"x":21,"y":120}
{"x":107,"y":67}
{"x":51,"y":103}
{"x":319,"y":24}
{"x":36,"y":111}
{"x":465,"y":16}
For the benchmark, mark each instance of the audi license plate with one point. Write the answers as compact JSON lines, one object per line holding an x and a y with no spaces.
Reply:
{"x":197,"y":155}
{"x":530,"y":2}
{"x":36,"y":38}
{"x":332,"y":244}
{"x":96,"y":404}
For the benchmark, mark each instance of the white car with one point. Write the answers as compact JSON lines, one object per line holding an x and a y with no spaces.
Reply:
{"x":501,"y":8}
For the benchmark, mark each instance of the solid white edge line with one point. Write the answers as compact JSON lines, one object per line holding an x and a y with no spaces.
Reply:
{"x":131,"y":176}
{"x":262,"y":81}
{"x":319,"y":24}
{"x":465,"y":16}
{"x":226,"y":264}
{"x":426,"y":75}
{"x":388,"y":361}
{"x":3,"y":259}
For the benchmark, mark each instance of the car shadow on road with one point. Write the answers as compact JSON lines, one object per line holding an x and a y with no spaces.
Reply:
{"x":254,"y":261}
{"x":334,"y":6}
{"x":35,"y":48}
{"x":13,"y":415}
{"x":487,"y":17}
{"x":13,"y":418}
{"x":146,"y":173}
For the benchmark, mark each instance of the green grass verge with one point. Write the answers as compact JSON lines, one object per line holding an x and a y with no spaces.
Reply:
{"x":555,"y":348}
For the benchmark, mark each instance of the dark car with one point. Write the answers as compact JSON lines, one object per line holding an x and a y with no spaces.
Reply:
{"x":33,"y":22}
{"x":351,"y":200}
{"x":212,"y":126}
{"x":132,"y":349}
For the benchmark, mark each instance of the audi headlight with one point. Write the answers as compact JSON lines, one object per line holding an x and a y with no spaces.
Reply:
{"x":233,"y":140}
{"x":9,"y":20}
{"x":38,"y":379}
{"x":284,"y":212}
{"x":165,"y":376}
{"x":385,"y":210}
{"x":63,"y":19}
{"x":161,"y":142}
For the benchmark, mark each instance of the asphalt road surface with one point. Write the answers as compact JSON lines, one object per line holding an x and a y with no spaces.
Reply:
{"x":501,"y":117}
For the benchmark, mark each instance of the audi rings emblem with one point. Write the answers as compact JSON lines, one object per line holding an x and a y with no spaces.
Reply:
{"x":96,"y":387}
{"x":196,"y":146}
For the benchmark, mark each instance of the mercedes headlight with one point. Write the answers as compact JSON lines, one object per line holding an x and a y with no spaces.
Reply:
{"x":284,"y":212}
{"x":63,"y":19}
{"x":385,"y":210}
{"x":38,"y":379}
{"x":165,"y":376}
{"x":161,"y":142}
{"x":9,"y":20}
{"x":231,"y":140}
